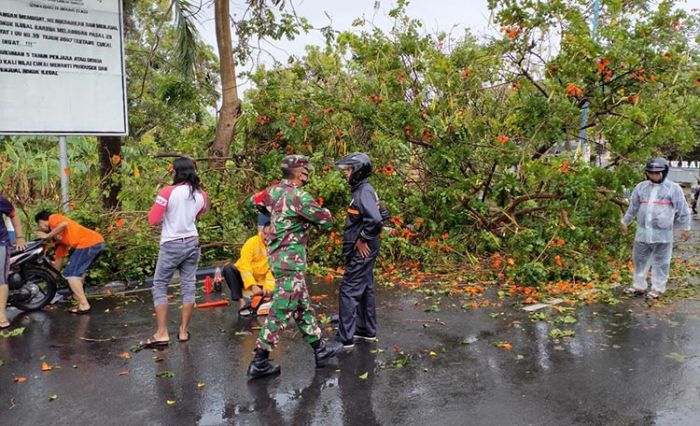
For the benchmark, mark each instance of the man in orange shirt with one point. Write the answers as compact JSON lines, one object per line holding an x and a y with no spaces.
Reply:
{"x":87,"y":244}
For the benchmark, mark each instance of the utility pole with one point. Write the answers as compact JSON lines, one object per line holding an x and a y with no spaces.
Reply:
{"x":63,"y":156}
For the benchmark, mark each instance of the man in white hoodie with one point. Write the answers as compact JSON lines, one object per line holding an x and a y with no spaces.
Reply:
{"x":657,"y":204}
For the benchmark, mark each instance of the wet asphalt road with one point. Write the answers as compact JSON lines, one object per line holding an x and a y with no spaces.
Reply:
{"x":628,"y":364}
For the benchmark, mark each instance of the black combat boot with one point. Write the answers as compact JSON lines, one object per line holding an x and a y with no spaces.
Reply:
{"x":323,"y":351}
{"x":261,"y":367}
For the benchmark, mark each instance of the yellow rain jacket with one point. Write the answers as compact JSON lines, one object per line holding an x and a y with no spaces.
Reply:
{"x":253,"y":265}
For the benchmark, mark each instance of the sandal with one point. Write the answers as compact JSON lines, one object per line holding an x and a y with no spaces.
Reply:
{"x":653,"y":295}
{"x":631,"y":291}
{"x":246,"y":310}
{"x":152,"y":343}
{"x":76,"y":310}
{"x":183,"y":340}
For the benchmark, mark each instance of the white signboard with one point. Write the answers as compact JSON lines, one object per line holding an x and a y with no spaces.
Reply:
{"x":62,"y":67}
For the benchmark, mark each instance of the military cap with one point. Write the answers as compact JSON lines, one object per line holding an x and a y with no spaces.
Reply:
{"x":295,"y":161}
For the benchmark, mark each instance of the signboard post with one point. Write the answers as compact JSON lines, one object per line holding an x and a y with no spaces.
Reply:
{"x":62,"y":70}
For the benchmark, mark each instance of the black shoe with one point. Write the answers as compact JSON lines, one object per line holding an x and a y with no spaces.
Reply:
{"x":261,"y":367}
{"x":325,"y":351}
{"x":371,"y":339}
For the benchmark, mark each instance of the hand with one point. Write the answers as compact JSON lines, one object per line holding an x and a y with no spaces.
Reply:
{"x":685,"y":235}
{"x":623,"y":229}
{"x":362,"y":247}
{"x":256,"y":290}
{"x":41,"y":234}
{"x":267,"y":293}
{"x":20,"y":244}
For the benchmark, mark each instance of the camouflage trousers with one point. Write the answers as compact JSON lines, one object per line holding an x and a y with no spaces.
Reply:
{"x":290,"y":299}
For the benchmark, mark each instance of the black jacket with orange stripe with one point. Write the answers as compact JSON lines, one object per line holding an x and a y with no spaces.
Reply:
{"x":364,"y":219}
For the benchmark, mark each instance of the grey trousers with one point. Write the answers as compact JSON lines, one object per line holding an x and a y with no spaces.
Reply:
{"x":181,"y":255}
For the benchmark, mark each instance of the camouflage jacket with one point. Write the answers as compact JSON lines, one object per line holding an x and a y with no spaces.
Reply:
{"x":292,"y":211}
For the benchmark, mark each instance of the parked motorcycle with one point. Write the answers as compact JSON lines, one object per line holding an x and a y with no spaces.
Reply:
{"x":32,"y":278}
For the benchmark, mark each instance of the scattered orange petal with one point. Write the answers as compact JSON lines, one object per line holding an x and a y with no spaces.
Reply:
{"x":45,"y":367}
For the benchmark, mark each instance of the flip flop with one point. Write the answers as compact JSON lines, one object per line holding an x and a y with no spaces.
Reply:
{"x":78,"y":311}
{"x":183,"y":340}
{"x":2,"y":327}
{"x":152,"y":343}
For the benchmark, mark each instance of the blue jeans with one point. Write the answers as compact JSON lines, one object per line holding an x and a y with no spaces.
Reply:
{"x":80,"y":261}
{"x":182,"y":255}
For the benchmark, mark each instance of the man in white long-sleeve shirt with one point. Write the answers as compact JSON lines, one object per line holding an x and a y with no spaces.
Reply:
{"x":657,"y":204}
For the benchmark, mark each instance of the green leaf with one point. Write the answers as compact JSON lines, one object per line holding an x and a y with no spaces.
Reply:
{"x":165,"y":373}
{"x":53,"y":397}
{"x":565,"y":319}
{"x":364,"y":375}
{"x":12,"y":333}
{"x":677,"y":357}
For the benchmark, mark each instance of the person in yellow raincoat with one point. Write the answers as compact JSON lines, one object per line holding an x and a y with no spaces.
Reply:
{"x":250,"y":277}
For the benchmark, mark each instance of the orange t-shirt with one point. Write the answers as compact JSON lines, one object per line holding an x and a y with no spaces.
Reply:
{"x":74,"y":235}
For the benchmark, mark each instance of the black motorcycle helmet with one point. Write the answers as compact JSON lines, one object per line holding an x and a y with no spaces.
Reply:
{"x":656,"y":165}
{"x":360,"y":165}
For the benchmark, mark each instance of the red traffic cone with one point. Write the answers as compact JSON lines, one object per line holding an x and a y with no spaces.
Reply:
{"x":207,"y":284}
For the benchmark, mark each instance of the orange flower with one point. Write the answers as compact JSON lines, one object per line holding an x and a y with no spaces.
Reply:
{"x":327,"y":110}
{"x":389,"y":169}
{"x":559,"y":242}
{"x":564,"y":168}
{"x":339,"y":133}
{"x":667,"y":57}
{"x":496,"y":261}
{"x":573,"y":90}
{"x":320,"y":201}
{"x":293,"y":120}
{"x":275,"y":144}
{"x":427,"y":135}
{"x":466,"y":73}
{"x":408,"y":130}
{"x":305,"y":122}
{"x":510,"y":261}
{"x":503,"y":139}
{"x":515,"y":85}
{"x":602,"y":65}
{"x":119,"y":222}
{"x":507,"y":346}
{"x":20,"y":379}
{"x":474,"y":304}
{"x":66,"y":170}
{"x":557,"y":260}
{"x":376,"y":99}
{"x":263,"y":119}
{"x":116,"y":159}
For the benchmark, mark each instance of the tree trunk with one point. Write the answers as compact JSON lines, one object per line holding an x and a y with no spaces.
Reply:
{"x":230,"y":103}
{"x":110,"y":152}
{"x":109,"y":146}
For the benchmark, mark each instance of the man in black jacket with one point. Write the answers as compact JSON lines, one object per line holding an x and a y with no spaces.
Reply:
{"x":357,"y":316}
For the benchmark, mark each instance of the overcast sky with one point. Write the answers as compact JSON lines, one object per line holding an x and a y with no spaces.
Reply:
{"x":437,"y":15}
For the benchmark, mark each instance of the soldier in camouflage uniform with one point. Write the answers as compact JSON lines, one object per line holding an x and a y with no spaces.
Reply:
{"x":292,"y":211}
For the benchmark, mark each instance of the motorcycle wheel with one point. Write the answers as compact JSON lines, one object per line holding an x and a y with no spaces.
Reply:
{"x":43,"y":284}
